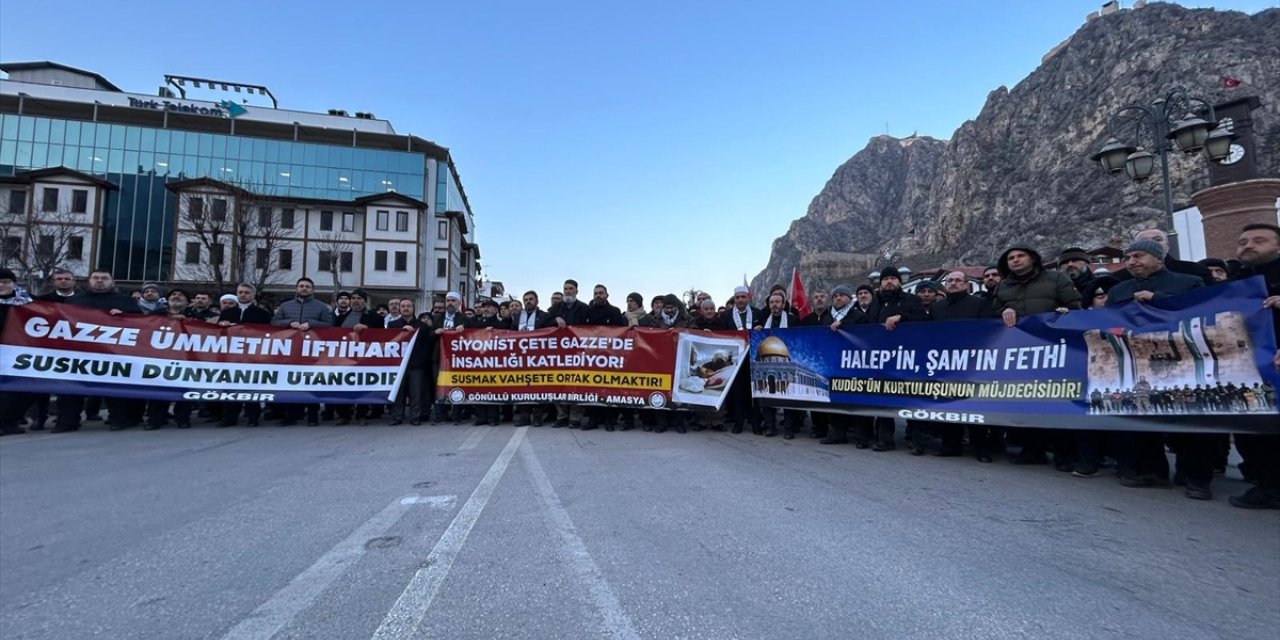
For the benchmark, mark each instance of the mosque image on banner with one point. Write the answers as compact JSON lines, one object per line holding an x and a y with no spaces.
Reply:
{"x":775,"y":375}
{"x":1205,"y":365}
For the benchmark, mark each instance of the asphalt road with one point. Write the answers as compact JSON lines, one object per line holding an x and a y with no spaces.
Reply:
{"x":495,"y":532}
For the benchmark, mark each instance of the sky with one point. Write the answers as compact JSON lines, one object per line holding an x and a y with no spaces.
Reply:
{"x":652,"y":147}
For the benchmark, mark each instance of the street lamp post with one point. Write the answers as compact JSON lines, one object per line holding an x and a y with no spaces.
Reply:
{"x":1170,"y":122}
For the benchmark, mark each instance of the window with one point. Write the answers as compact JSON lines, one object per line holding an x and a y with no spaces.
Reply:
{"x":442,"y":268}
{"x":12,"y":248}
{"x":17,"y":201}
{"x":75,"y":248}
{"x":286,"y":218}
{"x":79,"y":200}
{"x":326,"y":221}
{"x":195,"y":208}
{"x":215,"y":254}
{"x":326,"y":261}
{"x":262,"y":258}
{"x":50,"y":199}
{"x":192,"y":254}
{"x":384,"y":218}
{"x":380,"y":259}
{"x":219,"y":212}
{"x":345,"y":261}
{"x":264,"y":218}
{"x":402,"y":221}
{"x":402,"y":261}
{"x":44,"y":247}
{"x":286,"y":257}
{"x":348,"y":221}
{"x":442,"y":230}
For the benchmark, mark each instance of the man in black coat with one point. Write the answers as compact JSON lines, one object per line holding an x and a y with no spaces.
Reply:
{"x":845,"y":312}
{"x":124,"y":412}
{"x":530,"y":318}
{"x":960,"y":304}
{"x":891,"y":307}
{"x":792,"y":419}
{"x":1075,"y":263}
{"x":412,"y":401}
{"x":601,"y":312}
{"x":64,"y":288}
{"x":1258,"y":249}
{"x":1172,"y":264}
{"x":569,"y":312}
{"x":742,"y":317}
{"x":487,"y":318}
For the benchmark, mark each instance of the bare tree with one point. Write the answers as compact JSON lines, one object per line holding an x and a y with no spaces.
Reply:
{"x":36,"y":242}
{"x":239,"y":230}
{"x":337,"y":255}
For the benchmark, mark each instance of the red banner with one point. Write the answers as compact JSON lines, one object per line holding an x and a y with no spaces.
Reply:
{"x":61,"y":348}
{"x":592,"y":365}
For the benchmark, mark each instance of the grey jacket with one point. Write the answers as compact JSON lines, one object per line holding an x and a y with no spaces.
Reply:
{"x":310,"y":311}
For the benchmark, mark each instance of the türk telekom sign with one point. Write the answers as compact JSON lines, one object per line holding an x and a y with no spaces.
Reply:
{"x":223,"y":109}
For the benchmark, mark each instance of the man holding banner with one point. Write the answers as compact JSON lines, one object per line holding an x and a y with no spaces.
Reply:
{"x":1258,"y":248}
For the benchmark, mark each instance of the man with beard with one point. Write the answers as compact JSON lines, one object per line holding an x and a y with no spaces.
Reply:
{"x":487,"y":319}
{"x":864,"y":295}
{"x":928,"y":293}
{"x":844,"y":312}
{"x":706,"y":318}
{"x":341,"y":307}
{"x":1172,"y":264}
{"x":960,"y":304}
{"x":891,"y":307}
{"x":1258,"y":249}
{"x":991,"y":278}
{"x":671,"y":316}
{"x":409,"y":402}
{"x":123,"y":412}
{"x":158,"y":410}
{"x":818,"y":314}
{"x":449,"y":318}
{"x":302,"y":312}
{"x":64,"y":288}
{"x":568,"y":312}
{"x":601,"y":313}
{"x":201,"y":307}
{"x":792,"y":419}
{"x":152,"y":300}
{"x":356,"y":317}
{"x":1217,"y":269}
{"x":1075,"y":263}
{"x":244,"y":311}
{"x":742,"y":317}
{"x":1027,"y":288}
{"x":530,"y":318}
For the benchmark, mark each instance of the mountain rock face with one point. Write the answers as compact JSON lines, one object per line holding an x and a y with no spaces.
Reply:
{"x":1020,"y":171}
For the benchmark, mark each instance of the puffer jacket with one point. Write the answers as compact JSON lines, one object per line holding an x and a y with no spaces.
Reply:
{"x":1039,"y":291}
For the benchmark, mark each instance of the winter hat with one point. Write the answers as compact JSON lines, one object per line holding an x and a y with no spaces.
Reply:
{"x":151,"y":285}
{"x":844,"y":290}
{"x":928,"y":284}
{"x":1214,"y":262}
{"x":670,"y":300}
{"x":891,"y":273}
{"x":7,"y":274}
{"x":1149,"y":247}
{"x":865,"y":287}
{"x":1074,"y":253}
{"x":636,"y":298}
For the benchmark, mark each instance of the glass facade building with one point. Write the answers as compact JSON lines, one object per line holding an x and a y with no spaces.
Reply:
{"x":136,"y":239}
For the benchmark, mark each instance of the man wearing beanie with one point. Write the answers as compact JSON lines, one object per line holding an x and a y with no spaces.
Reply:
{"x":635,"y":309}
{"x":1170,"y":263}
{"x":1141,"y":454}
{"x":152,"y":300}
{"x":890,"y":307}
{"x":1075,"y":263}
{"x":1149,"y":278}
{"x":1217,"y":269}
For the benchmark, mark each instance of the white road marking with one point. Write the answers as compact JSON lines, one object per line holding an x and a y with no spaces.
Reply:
{"x":477,"y":434}
{"x":282,"y":607}
{"x":617,"y":624}
{"x":411,"y":607}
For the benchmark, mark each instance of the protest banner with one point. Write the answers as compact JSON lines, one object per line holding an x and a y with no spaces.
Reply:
{"x":625,"y":367}
{"x":1200,"y":361}
{"x":61,"y":348}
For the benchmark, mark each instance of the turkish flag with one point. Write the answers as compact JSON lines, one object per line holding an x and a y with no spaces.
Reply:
{"x":799,"y":301}
{"x":1230,"y":83}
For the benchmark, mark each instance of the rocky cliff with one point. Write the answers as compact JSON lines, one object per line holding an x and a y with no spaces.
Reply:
{"x":1020,"y":171}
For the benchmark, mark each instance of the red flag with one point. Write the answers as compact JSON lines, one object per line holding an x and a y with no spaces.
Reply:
{"x":799,"y":301}
{"x":1230,"y":83}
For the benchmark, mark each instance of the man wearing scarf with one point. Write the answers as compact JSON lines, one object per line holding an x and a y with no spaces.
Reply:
{"x":844,"y":312}
{"x":742,"y":317}
{"x":530,"y":318}
{"x":780,"y":318}
{"x":448,"y":319}
{"x":671,"y":315}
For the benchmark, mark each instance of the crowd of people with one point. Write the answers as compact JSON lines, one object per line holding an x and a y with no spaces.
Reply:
{"x":1020,"y":283}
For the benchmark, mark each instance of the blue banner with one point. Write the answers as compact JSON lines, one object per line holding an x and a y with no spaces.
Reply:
{"x":1201,"y":361}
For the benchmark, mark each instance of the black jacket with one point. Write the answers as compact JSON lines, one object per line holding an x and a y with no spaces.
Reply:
{"x":351,"y":318}
{"x":1177,"y":266}
{"x":541,"y":320}
{"x":814,"y":319}
{"x":104,"y":301}
{"x":572,"y":314}
{"x":53,"y":296}
{"x":792,"y":321}
{"x":963,"y":306}
{"x":605,"y":315}
{"x":1270,"y":273}
{"x":1163,"y":283}
{"x":726,"y":318}
{"x":252,"y":314}
{"x":897,"y":303}
{"x":480,"y":322}
{"x":424,"y":348}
